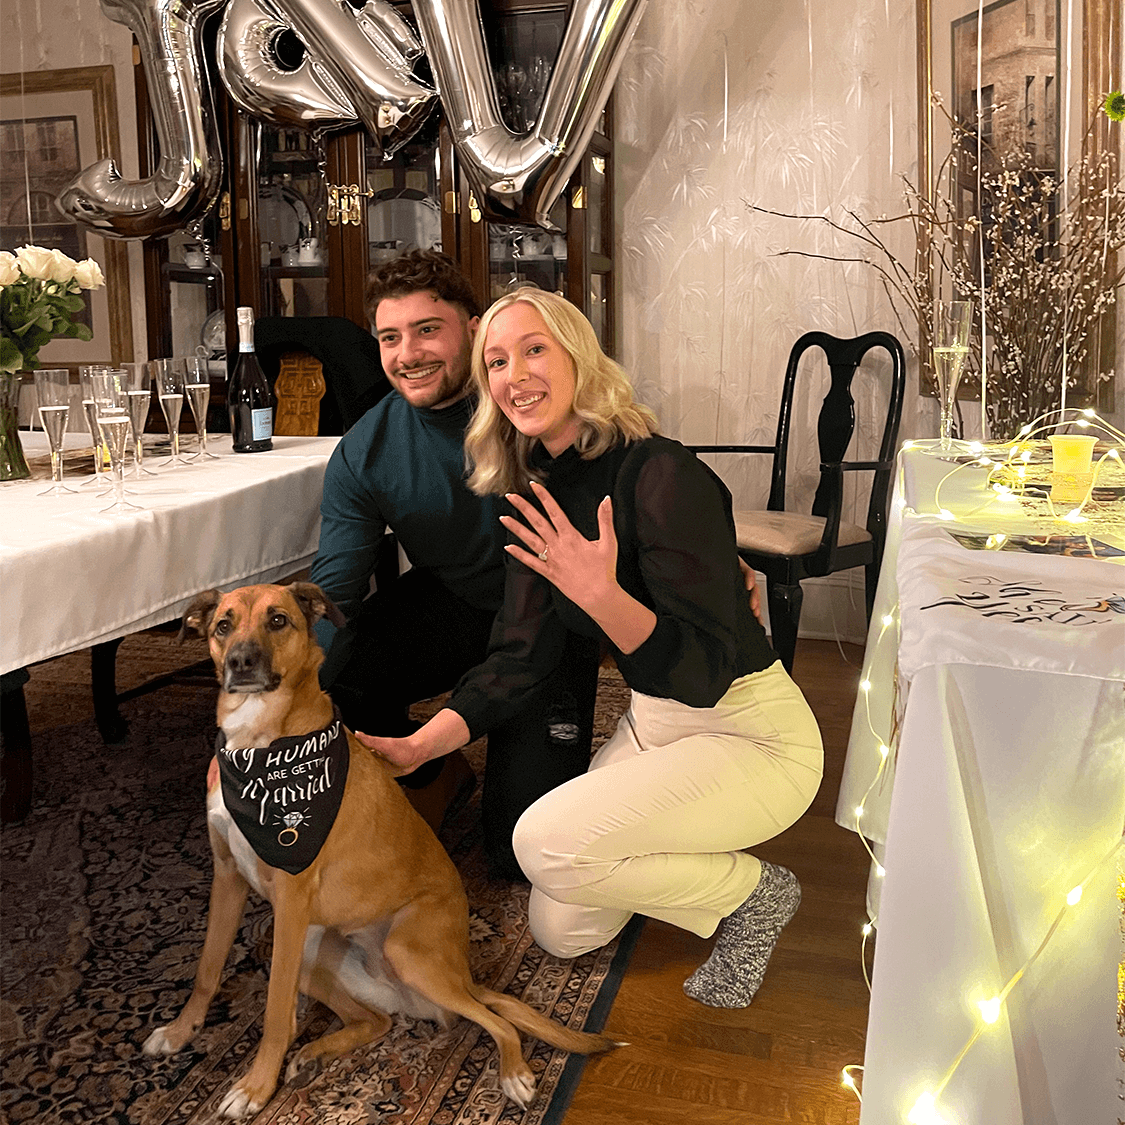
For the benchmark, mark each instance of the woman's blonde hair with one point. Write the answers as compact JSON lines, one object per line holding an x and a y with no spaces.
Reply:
{"x":497,"y":453}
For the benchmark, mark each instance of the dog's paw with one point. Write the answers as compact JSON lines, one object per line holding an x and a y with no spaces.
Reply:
{"x":239,"y":1103}
{"x":158,"y":1043}
{"x":303,"y":1069}
{"x":520,"y":1087}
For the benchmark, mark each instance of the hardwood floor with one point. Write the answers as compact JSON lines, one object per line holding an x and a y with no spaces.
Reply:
{"x":780,"y":1060}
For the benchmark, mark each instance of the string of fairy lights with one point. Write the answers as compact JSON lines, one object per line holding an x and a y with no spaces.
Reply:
{"x":1014,"y":476}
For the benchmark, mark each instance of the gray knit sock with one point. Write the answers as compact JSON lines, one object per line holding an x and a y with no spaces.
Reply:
{"x":732,"y":974}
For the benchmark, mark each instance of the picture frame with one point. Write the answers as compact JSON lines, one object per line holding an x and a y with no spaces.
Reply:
{"x":1021,"y":42}
{"x":54,"y":123}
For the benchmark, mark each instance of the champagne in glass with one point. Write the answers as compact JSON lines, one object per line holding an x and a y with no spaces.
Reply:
{"x":137,"y":386}
{"x":951,"y":349}
{"x":116,"y":427}
{"x":198,"y":386}
{"x":169,"y":375}
{"x":86,"y":375}
{"x":52,"y":391}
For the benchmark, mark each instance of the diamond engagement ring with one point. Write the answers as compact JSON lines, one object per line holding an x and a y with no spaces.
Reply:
{"x":542,"y":557}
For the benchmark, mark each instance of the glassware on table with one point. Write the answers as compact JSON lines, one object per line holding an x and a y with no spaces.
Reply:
{"x":86,"y":372}
{"x":197,"y":384}
{"x":115,"y":428}
{"x":951,"y":349}
{"x":138,"y":392}
{"x":52,"y":395}
{"x":169,"y":377}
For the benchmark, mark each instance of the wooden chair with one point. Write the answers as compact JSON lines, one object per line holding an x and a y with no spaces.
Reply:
{"x":299,"y":388}
{"x":787,"y":546}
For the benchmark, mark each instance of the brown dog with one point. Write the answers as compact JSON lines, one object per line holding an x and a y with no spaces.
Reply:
{"x":369,"y":913}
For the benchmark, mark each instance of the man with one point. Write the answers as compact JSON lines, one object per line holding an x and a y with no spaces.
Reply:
{"x":402,"y":467}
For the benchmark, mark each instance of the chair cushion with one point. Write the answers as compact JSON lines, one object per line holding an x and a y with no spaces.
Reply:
{"x":789,"y":533}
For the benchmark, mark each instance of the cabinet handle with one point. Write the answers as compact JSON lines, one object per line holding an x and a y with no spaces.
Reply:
{"x":224,"y":210}
{"x":344,"y":206}
{"x":452,"y":203}
{"x":474,"y":209}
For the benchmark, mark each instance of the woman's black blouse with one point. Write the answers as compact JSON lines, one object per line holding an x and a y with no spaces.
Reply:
{"x":676,"y":555}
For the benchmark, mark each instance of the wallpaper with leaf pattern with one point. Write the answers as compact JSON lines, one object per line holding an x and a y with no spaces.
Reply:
{"x":798,"y":107}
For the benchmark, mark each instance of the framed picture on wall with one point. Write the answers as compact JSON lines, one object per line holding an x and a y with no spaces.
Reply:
{"x":54,"y":123}
{"x":1018,"y":82}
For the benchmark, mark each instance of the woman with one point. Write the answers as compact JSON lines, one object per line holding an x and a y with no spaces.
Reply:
{"x":625,"y":535}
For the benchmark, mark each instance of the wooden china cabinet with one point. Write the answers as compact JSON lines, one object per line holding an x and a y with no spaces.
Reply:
{"x":299,"y":225}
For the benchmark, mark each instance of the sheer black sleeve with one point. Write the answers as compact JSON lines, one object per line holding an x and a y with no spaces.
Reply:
{"x":688,"y":565}
{"x":526,"y":645}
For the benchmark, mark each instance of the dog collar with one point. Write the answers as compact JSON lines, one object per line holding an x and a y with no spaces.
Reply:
{"x":284,"y":797}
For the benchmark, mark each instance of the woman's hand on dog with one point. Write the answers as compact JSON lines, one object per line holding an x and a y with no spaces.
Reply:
{"x":443,"y":734}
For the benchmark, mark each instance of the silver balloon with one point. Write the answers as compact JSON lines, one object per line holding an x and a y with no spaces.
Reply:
{"x":370,"y":54}
{"x":187,"y":181}
{"x":306,"y":96}
{"x":520,"y":177}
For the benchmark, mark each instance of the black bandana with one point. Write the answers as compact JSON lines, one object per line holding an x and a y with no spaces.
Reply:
{"x":284,"y":797}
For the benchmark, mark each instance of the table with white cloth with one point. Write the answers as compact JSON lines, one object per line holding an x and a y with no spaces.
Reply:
{"x":74,"y":577}
{"x":986,"y":766}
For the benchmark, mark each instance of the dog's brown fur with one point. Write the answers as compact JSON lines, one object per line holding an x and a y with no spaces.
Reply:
{"x":382,"y":884}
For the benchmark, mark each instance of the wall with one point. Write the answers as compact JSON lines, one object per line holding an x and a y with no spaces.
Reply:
{"x":799,"y":108}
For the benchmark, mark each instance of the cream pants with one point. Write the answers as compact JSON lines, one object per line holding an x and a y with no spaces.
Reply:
{"x":658,"y":824}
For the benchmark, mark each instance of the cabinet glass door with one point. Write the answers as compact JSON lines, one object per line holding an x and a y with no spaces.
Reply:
{"x":292,"y":213}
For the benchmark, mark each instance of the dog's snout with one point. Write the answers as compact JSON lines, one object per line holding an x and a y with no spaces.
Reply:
{"x":247,"y":667}
{"x":244,"y":657}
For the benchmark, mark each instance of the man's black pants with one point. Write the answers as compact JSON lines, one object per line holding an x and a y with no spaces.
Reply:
{"x":415,"y":640}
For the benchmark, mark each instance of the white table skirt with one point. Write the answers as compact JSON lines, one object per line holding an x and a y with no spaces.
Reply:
{"x":73,"y":577}
{"x":1005,"y":788}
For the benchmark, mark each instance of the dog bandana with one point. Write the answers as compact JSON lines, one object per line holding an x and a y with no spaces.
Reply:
{"x":284,"y":797}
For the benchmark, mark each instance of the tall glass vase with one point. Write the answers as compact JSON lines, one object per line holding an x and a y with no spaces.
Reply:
{"x":12,"y":463}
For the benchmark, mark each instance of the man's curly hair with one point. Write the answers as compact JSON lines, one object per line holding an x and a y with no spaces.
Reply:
{"x":419,"y":271}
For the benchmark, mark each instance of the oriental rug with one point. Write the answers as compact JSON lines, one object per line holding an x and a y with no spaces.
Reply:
{"x":104,"y":901}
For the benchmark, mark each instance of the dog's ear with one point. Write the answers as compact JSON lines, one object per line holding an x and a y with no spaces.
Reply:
{"x":315,"y":604}
{"x":197,"y":616}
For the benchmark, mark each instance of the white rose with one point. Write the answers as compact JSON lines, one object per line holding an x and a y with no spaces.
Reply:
{"x":62,"y":266}
{"x":88,"y":274}
{"x":35,"y":261}
{"x":9,"y":268}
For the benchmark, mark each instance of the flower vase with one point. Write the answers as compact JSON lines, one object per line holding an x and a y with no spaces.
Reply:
{"x":12,"y":463}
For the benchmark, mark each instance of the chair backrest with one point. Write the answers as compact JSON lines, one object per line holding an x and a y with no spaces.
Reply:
{"x":299,"y":388}
{"x":349,"y":357}
{"x":836,"y":421}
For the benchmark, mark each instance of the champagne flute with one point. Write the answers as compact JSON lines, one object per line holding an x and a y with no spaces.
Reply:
{"x":138,"y":393}
{"x":115,"y":427}
{"x":85,"y":374}
{"x":951,"y":349}
{"x":197,"y":383}
{"x":52,"y":393}
{"x":169,"y":376}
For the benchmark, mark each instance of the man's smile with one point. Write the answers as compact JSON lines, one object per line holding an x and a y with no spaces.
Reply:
{"x":419,"y":372}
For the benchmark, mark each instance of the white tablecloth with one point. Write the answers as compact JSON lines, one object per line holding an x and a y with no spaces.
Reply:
{"x":1007,"y":786}
{"x":72,"y":577}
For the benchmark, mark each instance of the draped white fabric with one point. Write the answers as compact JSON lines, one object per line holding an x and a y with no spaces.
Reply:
{"x":73,"y":577}
{"x":1005,"y":789}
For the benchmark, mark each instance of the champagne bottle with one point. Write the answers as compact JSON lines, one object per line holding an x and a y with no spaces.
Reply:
{"x":249,"y":397}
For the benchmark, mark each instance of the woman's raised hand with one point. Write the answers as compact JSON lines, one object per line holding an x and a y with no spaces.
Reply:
{"x":585,"y":570}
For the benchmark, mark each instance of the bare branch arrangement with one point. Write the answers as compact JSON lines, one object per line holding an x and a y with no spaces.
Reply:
{"x":1050,"y":258}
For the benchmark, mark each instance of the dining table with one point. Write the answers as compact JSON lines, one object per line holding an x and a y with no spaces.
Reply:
{"x":78,"y":577}
{"x":985,"y":770}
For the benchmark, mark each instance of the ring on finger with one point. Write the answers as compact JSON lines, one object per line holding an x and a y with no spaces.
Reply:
{"x":542,"y":556}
